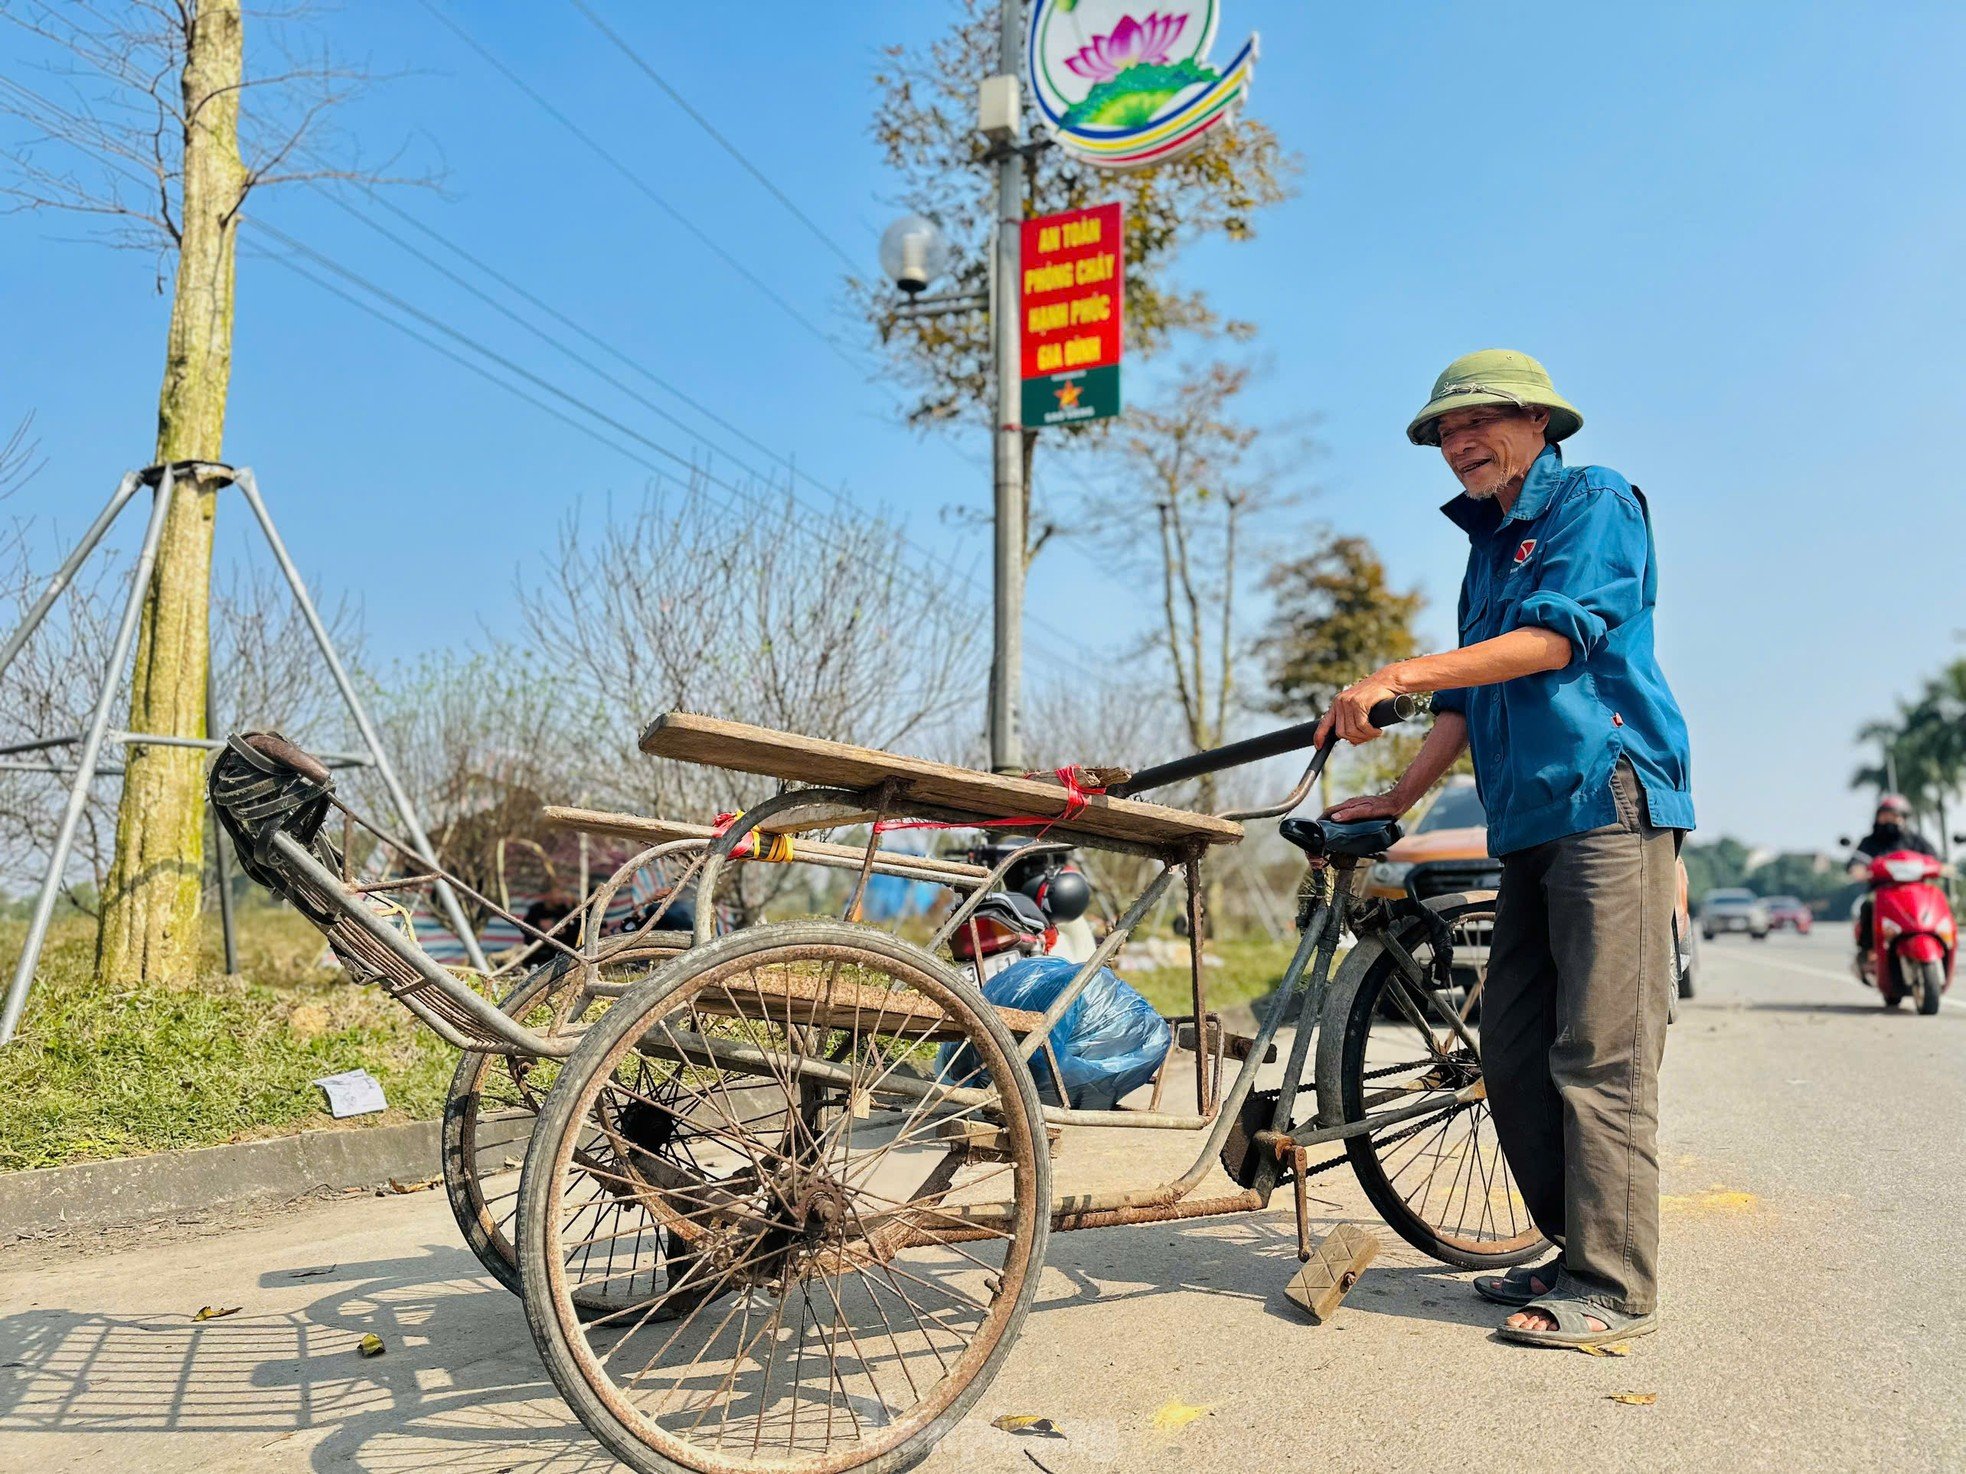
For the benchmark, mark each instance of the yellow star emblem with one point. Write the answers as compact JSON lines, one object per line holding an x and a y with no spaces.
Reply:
{"x":1068,"y":395}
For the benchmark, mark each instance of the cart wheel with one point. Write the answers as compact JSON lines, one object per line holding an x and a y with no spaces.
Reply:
{"x":494,"y":1098}
{"x":1439,"y":1179}
{"x":839,"y":1157}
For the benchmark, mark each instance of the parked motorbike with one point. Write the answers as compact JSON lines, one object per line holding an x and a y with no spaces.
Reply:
{"x":1913,"y":942}
{"x":1039,"y":910}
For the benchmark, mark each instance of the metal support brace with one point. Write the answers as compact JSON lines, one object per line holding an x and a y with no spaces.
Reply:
{"x":249,"y":488}
{"x":78,"y":793}
{"x":88,"y":761}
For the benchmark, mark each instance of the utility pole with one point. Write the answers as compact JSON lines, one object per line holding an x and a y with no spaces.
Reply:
{"x":913,"y":253}
{"x":1007,"y":647}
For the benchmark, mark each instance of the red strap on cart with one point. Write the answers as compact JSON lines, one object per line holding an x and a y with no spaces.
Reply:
{"x":1079,"y":791}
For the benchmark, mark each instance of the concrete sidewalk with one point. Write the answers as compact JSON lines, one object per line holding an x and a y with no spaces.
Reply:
{"x":1813,"y":1319}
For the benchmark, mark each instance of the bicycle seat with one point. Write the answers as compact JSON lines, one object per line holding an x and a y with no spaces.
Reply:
{"x":1317,"y":837}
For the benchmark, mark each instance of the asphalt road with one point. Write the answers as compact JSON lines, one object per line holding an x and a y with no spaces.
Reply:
{"x":1813,"y":1316}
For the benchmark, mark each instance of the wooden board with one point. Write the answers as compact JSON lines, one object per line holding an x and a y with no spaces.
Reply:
{"x":666,"y":831}
{"x":793,"y":759}
{"x":836,"y":1003}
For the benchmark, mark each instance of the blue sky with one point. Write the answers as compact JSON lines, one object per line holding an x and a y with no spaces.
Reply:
{"x":1734,"y":232}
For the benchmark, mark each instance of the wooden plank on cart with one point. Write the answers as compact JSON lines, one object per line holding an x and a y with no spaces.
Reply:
{"x":667,"y":831}
{"x":790,"y":758}
{"x":1336,"y":1262}
{"x":823,"y":1000}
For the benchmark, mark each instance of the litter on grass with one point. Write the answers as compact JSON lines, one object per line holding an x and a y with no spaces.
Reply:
{"x":353,"y":1093}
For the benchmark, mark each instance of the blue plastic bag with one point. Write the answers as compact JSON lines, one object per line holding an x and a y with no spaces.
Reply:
{"x":1108,"y":1043}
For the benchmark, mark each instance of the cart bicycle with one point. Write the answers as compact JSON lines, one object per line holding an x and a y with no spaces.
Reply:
{"x":786,"y":1200}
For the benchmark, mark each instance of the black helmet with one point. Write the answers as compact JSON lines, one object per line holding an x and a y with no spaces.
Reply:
{"x":1063,"y":895}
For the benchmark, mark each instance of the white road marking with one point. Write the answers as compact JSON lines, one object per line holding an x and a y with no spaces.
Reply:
{"x":1821,"y":972}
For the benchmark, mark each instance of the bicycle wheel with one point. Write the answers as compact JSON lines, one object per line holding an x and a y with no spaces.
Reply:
{"x":1438,"y":1177}
{"x":838,"y":1159}
{"x":494,"y":1099}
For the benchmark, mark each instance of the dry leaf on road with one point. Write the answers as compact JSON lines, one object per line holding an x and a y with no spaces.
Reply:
{"x":1616,"y":1348}
{"x":216,"y":1312}
{"x":371,"y":1345}
{"x":1027,"y":1423}
{"x":1635,"y":1399}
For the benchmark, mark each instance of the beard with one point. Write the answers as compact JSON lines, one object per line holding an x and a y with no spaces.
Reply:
{"x":1499,"y":475}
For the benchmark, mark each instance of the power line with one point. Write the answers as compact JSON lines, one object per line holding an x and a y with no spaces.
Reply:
{"x":922,"y":582}
{"x":646,"y":189}
{"x":499,"y":307}
{"x":845,"y":504}
{"x":592,"y":433}
{"x":602,"y":152}
{"x":531,"y":298}
{"x":846,"y":257}
{"x":1066,"y":659}
{"x":839,"y":498}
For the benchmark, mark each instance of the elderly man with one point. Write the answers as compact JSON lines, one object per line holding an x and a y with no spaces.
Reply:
{"x":1580,"y":753}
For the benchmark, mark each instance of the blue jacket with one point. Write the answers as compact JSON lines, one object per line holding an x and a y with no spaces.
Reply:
{"x":1573,"y":555}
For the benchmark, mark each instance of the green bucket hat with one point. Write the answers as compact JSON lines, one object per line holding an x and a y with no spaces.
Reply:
{"x":1495,"y":376}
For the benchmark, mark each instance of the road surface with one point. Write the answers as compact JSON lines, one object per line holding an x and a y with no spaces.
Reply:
{"x":1814,"y":1317}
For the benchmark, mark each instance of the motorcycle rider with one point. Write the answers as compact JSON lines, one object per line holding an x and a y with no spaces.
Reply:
{"x":1891,"y":831}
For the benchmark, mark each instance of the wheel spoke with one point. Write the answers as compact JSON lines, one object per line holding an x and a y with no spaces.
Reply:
{"x":812,"y":1311}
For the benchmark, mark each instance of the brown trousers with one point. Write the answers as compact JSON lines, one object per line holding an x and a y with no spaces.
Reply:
{"x":1573,"y":1026}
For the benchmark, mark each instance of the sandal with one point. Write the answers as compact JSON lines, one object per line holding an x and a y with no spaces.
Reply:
{"x":1513,"y":1288}
{"x":1573,"y":1309}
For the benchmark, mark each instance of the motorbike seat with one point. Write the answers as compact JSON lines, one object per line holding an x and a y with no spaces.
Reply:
{"x":1360,"y":839}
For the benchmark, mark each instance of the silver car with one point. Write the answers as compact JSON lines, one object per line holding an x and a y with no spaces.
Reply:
{"x":1733,"y":910}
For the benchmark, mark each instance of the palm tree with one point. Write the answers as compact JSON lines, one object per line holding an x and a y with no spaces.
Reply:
{"x":1924,"y":746}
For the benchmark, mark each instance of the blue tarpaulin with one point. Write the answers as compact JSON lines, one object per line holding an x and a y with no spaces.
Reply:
{"x":1108,"y":1043}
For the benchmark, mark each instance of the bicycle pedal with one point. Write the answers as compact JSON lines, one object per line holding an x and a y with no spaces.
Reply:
{"x":1337,"y":1260}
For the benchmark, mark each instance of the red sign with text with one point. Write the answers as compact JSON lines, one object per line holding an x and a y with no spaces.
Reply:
{"x":1071,"y":308}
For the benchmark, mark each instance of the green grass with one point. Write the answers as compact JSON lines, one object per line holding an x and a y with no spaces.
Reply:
{"x":1251,"y":967}
{"x":100,"y":1071}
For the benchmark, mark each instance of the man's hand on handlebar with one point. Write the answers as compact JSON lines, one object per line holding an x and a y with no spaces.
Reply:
{"x":1351,"y":711}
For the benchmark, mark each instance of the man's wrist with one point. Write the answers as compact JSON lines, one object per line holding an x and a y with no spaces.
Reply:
{"x":1407,"y":677}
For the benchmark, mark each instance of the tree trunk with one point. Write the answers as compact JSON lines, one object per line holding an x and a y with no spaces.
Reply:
{"x":150,"y":905}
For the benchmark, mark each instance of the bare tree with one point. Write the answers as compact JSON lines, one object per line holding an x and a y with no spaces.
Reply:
{"x":265,"y":671}
{"x":1191,"y":490}
{"x":480,"y":739}
{"x":142,"y":130}
{"x":806,"y":623}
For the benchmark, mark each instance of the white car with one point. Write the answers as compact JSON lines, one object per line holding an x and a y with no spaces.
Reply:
{"x":1733,"y":910}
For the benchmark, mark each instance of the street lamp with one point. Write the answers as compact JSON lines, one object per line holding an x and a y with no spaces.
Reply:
{"x":914,"y":252}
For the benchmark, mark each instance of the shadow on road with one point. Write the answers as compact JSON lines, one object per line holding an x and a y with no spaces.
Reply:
{"x":1870,"y":1010}
{"x":1247,"y":1260}
{"x":456,"y":1389}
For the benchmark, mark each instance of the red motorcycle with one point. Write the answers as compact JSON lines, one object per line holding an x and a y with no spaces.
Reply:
{"x":1913,"y":943}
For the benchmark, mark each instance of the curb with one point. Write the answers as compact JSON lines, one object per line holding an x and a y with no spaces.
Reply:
{"x":92,"y":1195}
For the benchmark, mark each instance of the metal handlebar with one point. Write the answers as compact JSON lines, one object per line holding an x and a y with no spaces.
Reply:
{"x":1388,"y":713}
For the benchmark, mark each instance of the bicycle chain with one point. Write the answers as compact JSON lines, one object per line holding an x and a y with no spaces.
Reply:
{"x":1394,"y":1140}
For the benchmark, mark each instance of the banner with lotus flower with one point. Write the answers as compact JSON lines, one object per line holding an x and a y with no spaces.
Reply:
{"x":1123,"y":85}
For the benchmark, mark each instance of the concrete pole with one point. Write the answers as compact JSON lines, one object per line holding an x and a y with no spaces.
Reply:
{"x":1007,"y":649}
